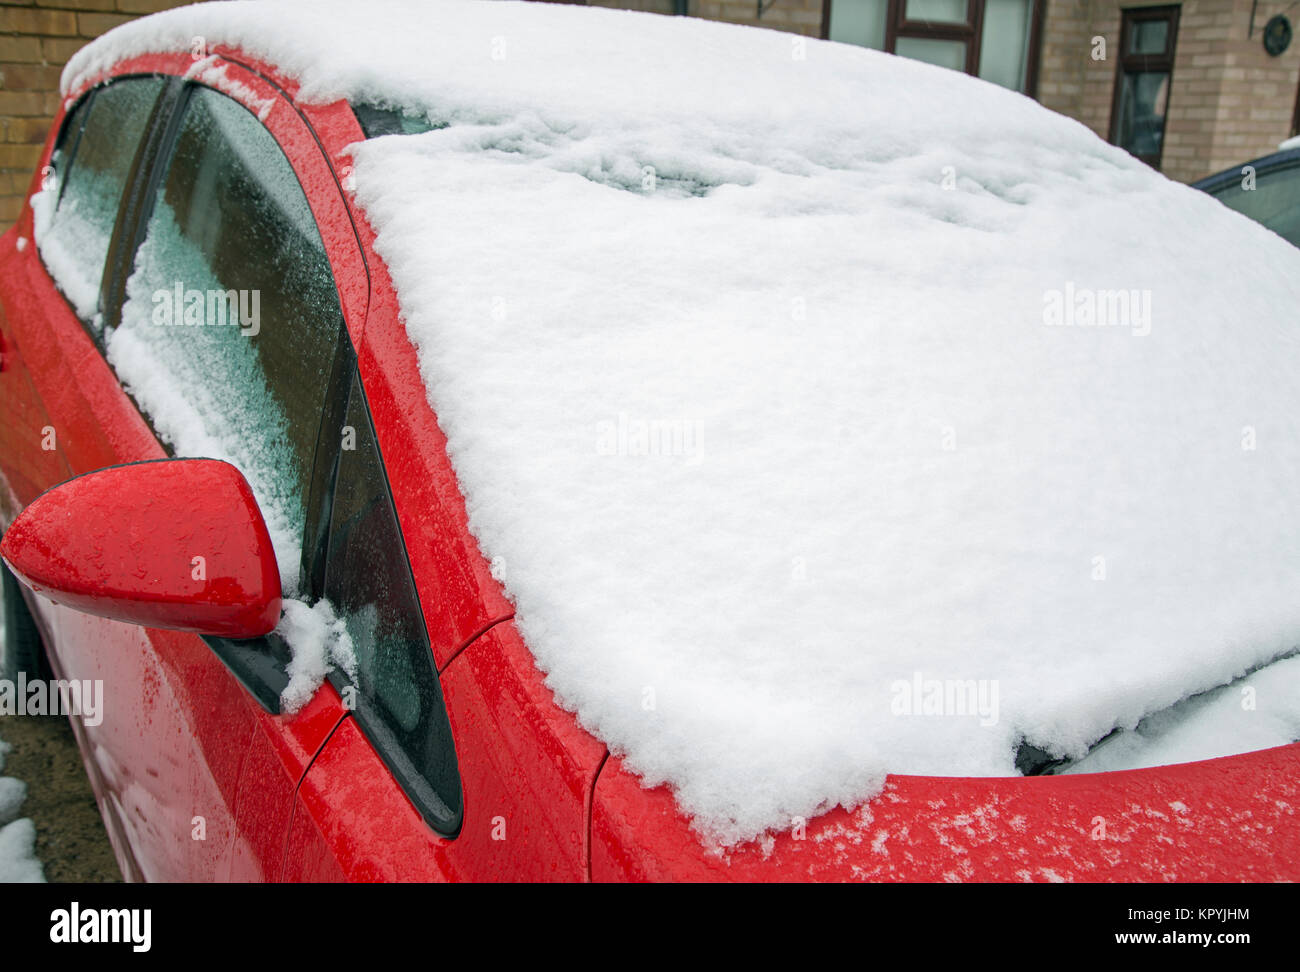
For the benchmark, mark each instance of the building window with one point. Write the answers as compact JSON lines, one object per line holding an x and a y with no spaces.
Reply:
{"x":1144,"y":73}
{"x":996,"y":40}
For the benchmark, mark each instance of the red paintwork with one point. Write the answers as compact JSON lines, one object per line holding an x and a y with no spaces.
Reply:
{"x":1224,"y":819}
{"x":527,"y":776}
{"x":123,"y":542}
{"x":183,"y":751}
{"x":307,"y":798}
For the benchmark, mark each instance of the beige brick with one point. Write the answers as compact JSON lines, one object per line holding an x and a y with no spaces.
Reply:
{"x":23,"y":20}
{"x":94,"y":24}
{"x":77,"y":4}
{"x":23,"y":157}
{"x":806,"y":18}
{"x":27,"y":49}
{"x":10,"y":207}
{"x":28,"y":77}
{"x":26,"y":103}
{"x":57,"y":50}
{"x":26,"y":131}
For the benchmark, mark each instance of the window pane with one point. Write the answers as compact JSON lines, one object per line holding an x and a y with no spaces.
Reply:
{"x":945,"y":53}
{"x":74,"y":217}
{"x":1275,"y":201}
{"x":232,"y":318}
{"x":859,"y":22}
{"x":1143,"y":97}
{"x":1004,"y":50}
{"x":369,"y":582}
{"x":937,"y":11}
{"x":1148,"y":36}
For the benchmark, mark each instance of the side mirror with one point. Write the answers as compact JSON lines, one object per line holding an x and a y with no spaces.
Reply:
{"x":175,"y":543}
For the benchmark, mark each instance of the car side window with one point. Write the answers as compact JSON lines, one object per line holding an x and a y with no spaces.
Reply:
{"x":231,"y":318}
{"x":397,"y":698}
{"x":76,"y":209}
{"x":1273,"y":201}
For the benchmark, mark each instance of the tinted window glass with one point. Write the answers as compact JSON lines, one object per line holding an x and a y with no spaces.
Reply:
{"x":231,"y":318}
{"x":76,"y":211}
{"x":1275,"y":201}
{"x":368,"y":580}
{"x":1143,"y":101}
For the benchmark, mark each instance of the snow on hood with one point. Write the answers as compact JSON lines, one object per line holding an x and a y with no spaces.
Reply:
{"x":791,"y":384}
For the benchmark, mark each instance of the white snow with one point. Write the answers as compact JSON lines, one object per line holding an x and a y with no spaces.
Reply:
{"x":866,"y":291}
{"x":18,"y":863}
{"x":213,"y":74}
{"x":319,"y":640}
{"x":64,"y":241}
{"x":1256,"y":712}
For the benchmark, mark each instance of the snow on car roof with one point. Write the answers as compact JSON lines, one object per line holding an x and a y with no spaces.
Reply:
{"x":826,"y":414}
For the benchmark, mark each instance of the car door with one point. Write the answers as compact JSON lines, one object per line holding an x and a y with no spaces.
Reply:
{"x":163,"y":780}
{"x":227,"y":337}
{"x":213,"y":331}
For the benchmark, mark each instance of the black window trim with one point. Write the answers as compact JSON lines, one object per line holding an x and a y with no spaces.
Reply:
{"x":445,"y":820}
{"x":87,"y":101}
{"x":137,"y":199}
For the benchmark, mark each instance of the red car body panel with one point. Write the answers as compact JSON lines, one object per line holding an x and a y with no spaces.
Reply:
{"x":308,"y":798}
{"x":1236,"y":818}
{"x":145,"y":573}
{"x":527,"y":776}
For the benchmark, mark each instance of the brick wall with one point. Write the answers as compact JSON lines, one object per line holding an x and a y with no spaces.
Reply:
{"x":1229,"y":101}
{"x":36,"y":39}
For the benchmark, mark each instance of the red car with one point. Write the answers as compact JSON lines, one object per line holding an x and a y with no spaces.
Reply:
{"x":446,"y":757}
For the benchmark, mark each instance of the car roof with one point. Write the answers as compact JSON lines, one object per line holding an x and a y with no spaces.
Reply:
{"x":1232,"y":174}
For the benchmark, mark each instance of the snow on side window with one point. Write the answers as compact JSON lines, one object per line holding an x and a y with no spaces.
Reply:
{"x":228,"y":335}
{"x":232,"y":318}
{"x":76,"y":209}
{"x":203,"y":387}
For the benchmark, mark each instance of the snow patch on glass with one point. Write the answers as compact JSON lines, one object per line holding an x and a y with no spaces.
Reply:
{"x":319,"y":641}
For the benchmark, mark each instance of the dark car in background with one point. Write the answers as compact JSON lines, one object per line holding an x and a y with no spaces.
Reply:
{"x":1266,"y":189}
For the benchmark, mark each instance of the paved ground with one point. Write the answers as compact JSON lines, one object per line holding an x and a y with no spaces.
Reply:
{"x":70,"y":839}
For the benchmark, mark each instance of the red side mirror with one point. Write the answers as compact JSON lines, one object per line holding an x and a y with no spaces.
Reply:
{"x":177,"y":543}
